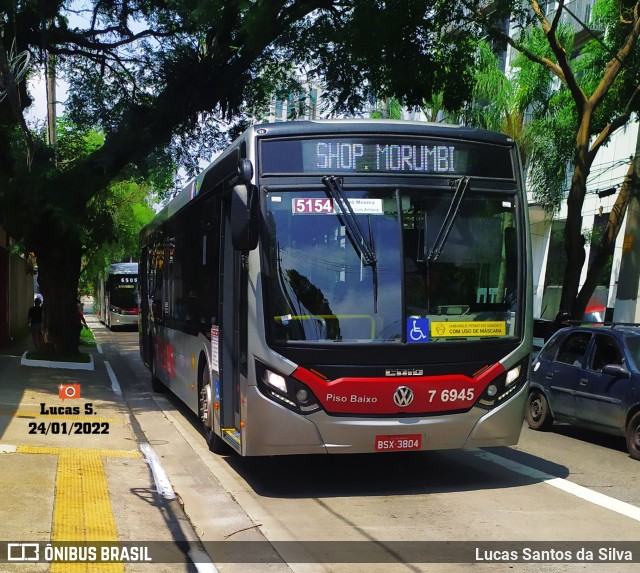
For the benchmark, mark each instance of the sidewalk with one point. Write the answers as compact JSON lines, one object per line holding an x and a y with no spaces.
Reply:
{"x":71,"y":468}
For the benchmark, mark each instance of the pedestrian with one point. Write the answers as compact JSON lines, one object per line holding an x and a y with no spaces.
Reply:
{"x":80,"y":321}
{"x":34,"y":318}
{"x":563,"y":318}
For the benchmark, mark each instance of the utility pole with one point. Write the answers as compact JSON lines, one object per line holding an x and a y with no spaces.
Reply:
{"x":50,"y":77}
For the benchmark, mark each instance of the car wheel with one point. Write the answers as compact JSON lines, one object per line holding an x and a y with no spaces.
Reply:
{"x":537,"y":413}
{"x":205,"y":407}
{"x":633,"y":436}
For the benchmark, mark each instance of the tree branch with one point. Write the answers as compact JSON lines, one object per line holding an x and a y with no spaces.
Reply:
{"x":500,"y":35}
{"x":614,"y":125}
{"x":615,"y":65}
{"x":10,"y":88}
{"x":560,"y":53}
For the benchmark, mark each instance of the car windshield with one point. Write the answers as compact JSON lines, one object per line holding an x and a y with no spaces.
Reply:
{"x":429,"y":265}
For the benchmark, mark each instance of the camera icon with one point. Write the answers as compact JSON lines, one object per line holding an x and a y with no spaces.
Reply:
{"x":69,"y":391}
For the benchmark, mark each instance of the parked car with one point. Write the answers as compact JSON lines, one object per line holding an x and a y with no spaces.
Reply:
{"x":543,"y":329}
{"x":589,"y":376}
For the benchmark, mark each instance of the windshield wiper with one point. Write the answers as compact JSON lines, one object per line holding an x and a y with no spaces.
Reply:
{"x":449,"y":220}
{"x":363,"y":245}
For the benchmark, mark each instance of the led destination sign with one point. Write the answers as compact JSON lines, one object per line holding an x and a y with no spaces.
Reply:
{"x":338,"y":156}
{"x":388,"y":155}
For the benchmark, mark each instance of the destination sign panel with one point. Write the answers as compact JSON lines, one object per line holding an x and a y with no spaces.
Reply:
{"x":326,"y":206}
{"x":385,"y":155}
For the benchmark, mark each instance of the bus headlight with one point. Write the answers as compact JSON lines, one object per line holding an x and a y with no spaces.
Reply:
{"x":512,"y":375}
{"x":504,"y":386}
{"x":286,"y":390}
{"x":276,"y":381}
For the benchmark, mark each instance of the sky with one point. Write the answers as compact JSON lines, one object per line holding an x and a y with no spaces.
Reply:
{"x":37,"y":113}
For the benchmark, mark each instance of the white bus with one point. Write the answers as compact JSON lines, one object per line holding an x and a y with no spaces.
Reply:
{"x":345,"y":287}
{"x":118,"y":296}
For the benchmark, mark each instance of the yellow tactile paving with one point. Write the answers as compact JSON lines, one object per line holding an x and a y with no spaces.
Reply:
{"x":82,"y":509}
{"x":88,"y":451}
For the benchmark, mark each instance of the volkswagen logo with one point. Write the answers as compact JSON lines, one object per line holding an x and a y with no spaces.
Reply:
{"x":403,"y":396}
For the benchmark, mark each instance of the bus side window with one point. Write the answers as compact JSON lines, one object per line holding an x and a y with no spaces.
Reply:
{"x":157,"y":274}
{"x":209,"y":261}
{"x":185,"y":268}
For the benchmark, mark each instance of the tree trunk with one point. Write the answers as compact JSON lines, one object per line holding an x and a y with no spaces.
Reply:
{"x":603,"y":252}
{"x":574,"y":242}
{"x":58,"y":273}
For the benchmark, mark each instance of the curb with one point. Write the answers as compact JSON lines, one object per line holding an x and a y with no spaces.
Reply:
{"x":53,"y":364}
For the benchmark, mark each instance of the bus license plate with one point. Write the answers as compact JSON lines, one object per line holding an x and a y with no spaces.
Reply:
{"x":398,"y":443}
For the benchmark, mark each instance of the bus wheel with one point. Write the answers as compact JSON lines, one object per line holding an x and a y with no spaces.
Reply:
{"x":537,"y":411}
{"x":156,"y":384}
{"x":633,"y":436}
{"x":205,"y":407}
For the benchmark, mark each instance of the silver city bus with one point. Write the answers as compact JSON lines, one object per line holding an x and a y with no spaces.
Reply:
{"x":118,"y":296}
{"x":345,"y":286}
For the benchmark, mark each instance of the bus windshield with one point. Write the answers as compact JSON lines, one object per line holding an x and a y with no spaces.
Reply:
{"x":124,"y":296}
{"x":446,"y":266}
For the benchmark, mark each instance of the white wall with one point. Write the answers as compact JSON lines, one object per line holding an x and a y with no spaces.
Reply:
{"x":608,"y":171}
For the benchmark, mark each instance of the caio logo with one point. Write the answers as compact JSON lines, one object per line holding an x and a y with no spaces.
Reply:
{"x":69,"y":391}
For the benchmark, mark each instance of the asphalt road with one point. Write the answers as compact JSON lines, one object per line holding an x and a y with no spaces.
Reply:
{"x":567,"y":488}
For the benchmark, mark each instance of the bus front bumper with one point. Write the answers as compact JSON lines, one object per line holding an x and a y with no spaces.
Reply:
{"x":272,"y":429}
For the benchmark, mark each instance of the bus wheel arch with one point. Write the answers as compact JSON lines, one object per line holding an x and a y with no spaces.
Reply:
{"x":205,"y":407}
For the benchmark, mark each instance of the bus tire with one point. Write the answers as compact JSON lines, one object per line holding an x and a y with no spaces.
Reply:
{"x":632,"y":435}
{"x":156,"y":383}
{"x":537,"y":412}
{"x":205,"y":411}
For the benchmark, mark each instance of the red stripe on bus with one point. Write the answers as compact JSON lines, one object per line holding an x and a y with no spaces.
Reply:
{"x":375,"y":395}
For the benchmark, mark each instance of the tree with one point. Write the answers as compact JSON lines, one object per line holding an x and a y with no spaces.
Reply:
{"x":389,"y":108}
{"x":125,"y":204}
{"x":601,"y":82}
{"x":501,"y":101}
{"x":186,"y":77}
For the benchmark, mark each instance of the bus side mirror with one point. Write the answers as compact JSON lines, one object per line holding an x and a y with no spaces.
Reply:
{"x":245,"y":217}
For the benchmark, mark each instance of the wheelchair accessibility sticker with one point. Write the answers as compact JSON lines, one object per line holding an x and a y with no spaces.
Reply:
{"x":417,"y":329}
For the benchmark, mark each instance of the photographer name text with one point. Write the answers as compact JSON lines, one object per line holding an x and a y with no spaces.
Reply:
{"x":601,"y":555}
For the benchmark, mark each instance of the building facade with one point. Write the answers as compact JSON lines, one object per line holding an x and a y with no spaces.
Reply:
{"x":617,"y":293}
{"x":615,"y":298}
{"x":16,"y":291}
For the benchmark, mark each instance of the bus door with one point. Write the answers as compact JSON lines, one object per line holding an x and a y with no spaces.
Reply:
{"x":233,"y":335}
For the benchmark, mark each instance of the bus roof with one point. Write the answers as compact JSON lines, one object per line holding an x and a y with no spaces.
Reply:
{"x":123,"y":269}
{"x":368,"y":126}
